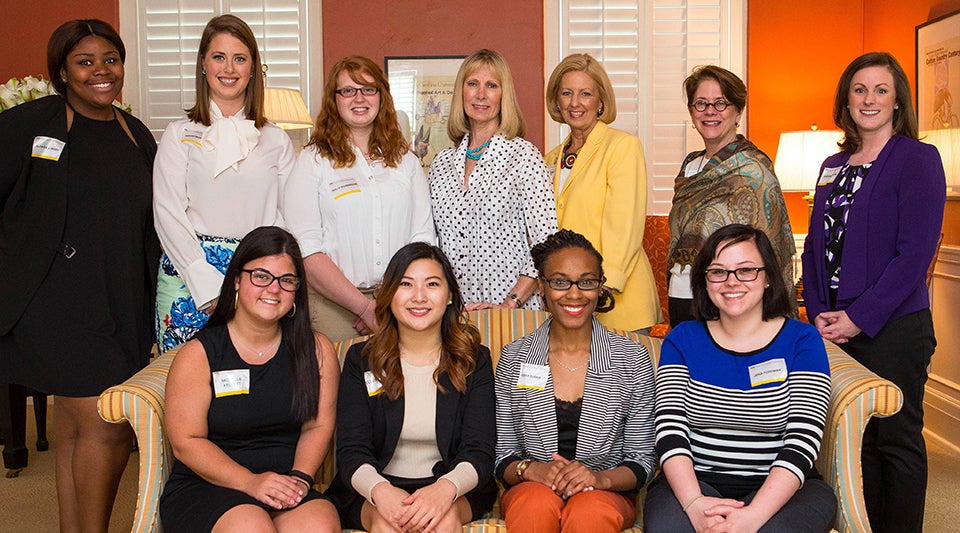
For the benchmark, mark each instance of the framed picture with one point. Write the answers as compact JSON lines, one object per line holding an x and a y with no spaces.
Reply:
{"x":938,"y":72}
{"x":422,"y":88}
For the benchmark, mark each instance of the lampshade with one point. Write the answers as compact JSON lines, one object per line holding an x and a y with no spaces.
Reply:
{"x":800,"y":155}
{"x":948,"y":143}
{"x":285,"y":108}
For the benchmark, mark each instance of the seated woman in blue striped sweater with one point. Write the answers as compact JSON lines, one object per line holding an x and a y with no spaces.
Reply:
{"x":742,"y":396}
{"x":574,"y":405}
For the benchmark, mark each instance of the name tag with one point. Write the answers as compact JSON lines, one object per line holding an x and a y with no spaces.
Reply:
{"x":342,"y":187}
{"x":192,"y":137}
{"x":47,"y":148}
{"x":533,"y":376}
{"x":828,"y":176}
{"x":772,"y":371}
{"x":373,"y":384}
{"x":231,"y":382}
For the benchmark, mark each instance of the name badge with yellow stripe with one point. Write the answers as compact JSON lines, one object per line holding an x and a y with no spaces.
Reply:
{"x":533,"y":376}
{"x":771,"y":371}
{"x":374,"y":387}
{"x":47,"y":148}
{"x":231,"y":382}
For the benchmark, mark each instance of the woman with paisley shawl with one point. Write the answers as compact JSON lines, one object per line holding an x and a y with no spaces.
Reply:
{"x":731,"y":181}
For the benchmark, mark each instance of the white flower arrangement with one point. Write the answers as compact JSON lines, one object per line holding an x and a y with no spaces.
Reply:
{"x":16,"y":92}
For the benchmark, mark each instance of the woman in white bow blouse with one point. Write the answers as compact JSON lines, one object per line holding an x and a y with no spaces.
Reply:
{"x":217,"y":176}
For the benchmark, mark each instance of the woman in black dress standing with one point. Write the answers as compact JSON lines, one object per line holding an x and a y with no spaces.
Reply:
{"x":77,"y":256}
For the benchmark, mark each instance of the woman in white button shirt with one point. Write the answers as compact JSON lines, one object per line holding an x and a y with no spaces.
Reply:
{"x":491,"y":192}
{"x":356,"y":196}
{"x":218,"y":174}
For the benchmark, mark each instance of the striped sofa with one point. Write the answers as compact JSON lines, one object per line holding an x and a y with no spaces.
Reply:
{"x":857,"y":394}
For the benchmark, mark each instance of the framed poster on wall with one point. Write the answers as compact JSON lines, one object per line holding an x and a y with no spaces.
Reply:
{"x":938,"y":72}
{"x":422,"y":88}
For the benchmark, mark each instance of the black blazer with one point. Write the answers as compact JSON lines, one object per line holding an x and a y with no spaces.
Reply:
{"x":33,"y":200}
{"x":368,"y":427}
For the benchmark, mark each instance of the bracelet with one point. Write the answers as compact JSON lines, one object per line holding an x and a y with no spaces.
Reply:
{"x":689,"y":503}
{"x":516,"y":299}
{"x":364,"y":310}
{"x":302,"y":476}
{"x":522,"y":467}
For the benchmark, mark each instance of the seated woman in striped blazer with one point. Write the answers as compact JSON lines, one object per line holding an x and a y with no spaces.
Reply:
{"x":742,"y":395}
{"x":574,"y":405}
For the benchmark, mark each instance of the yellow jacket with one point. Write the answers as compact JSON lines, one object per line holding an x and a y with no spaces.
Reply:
{"x":605,"y":199}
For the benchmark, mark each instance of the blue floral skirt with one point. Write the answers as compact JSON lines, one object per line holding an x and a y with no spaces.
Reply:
{"x":178,"y":318}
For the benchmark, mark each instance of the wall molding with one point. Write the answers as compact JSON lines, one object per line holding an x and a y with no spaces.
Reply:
{"x":942,"y":396}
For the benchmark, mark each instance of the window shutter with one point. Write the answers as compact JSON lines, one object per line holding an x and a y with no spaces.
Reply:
{"x":647,"y":48}
{"x":166,"y":34}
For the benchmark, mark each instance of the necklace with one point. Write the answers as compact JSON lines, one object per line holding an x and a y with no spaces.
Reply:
{"x":270,"y":347}
{"x":474,"y":154}
{"x":569,"y":368}
{"x":568,"y":158}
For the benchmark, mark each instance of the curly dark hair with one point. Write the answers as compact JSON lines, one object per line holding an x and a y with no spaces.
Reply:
{"x":564,"y":239}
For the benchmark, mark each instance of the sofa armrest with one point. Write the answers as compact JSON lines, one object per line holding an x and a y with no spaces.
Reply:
{"x":856,"y":395}
{"x":139,"y":401}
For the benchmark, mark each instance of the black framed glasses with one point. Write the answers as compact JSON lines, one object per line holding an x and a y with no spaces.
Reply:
{"x":563,"y":284}
{"x":702,"y":105}
{"x":719,"y":275}
{"x":263,"y":278}
{"x":350,"y":92}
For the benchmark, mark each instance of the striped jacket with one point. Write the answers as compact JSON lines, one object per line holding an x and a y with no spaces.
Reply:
{"x":616,"y":418}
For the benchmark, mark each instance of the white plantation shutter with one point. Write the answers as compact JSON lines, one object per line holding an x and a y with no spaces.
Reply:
{"x":162,"y":37}
{"x":648,"y":47}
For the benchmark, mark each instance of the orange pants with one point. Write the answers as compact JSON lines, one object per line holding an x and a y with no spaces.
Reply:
{"x":532,"y":507}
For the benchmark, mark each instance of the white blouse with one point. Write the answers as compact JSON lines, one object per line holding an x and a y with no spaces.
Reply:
{"x":487,"y":230}
{"x":189,"y":199}
{"x":359,"y":215}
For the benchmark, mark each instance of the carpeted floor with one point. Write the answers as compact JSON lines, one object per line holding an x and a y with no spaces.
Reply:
{"x":29,"y":504}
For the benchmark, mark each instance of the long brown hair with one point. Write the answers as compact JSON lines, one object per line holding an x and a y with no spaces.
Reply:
{"x":904,"y":117}
{"x":460,"y":340}
{"x":331,"y":135}
{"x":253,"y":101}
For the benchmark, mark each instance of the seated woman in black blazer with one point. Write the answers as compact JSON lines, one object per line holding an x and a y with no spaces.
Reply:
{"x":574,"y":405}
{"x":415,"y":416}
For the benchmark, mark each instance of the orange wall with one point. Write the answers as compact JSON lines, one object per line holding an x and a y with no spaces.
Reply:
{"x":792,"y":85}
{"x":26,"y":28}
{"x":446,"y":27}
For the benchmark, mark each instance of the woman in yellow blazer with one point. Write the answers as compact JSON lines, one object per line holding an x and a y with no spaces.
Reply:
{"x":600,"y":184}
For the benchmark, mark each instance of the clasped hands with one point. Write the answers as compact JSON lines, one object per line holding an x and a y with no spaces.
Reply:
{"x":565,"y":477}
{"x":279,"y":491}
{"x":836,"y":326}
{"x":417,"y":512}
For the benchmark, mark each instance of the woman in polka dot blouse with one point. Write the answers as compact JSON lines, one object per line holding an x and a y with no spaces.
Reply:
{"x":491,"y":192}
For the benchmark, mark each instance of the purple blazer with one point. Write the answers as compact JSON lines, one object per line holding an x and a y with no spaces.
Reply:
{"x":892,"y":232}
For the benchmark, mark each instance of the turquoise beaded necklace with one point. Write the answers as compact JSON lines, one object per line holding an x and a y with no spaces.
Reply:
{"x":474,"y":154}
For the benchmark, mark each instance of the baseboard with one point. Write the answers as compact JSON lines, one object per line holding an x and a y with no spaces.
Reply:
{"x":941,"y":412}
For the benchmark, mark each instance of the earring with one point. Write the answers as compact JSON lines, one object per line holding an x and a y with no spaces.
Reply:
{"x":236,"y":299}
{"x":292,"y":311}
{"x":738,"y":124}
{"x":599,"y":111}
{"x":450,"y":302}
{"x":558,"y":108}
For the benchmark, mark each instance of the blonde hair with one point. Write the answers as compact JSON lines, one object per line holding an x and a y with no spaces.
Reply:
{"x":591,"y":67}
{"x":511,"y":119}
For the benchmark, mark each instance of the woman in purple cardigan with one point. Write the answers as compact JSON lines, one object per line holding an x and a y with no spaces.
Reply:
{"x":864,"y":266}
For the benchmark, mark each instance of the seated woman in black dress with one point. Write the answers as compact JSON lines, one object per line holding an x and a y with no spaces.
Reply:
{"x":250,"y":403}
{"x":415,"y":417}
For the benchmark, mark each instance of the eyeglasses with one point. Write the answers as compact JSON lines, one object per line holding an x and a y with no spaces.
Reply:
{"x":562,"y":284}
{"x":719,"y":275}
{"x":263,"y":278}
{"x":350,"y":92}
{"x":702,"y":105}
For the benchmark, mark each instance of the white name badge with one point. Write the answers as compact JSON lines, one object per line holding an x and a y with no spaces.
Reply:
{"x":828,"y":176}
{"x":342,"y":187}
{"x":47,"y":148}
{"x":533,"y":376}
{"x":373,"y":384}
{"x":772,"y":371}
{"x":231,"y":382}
